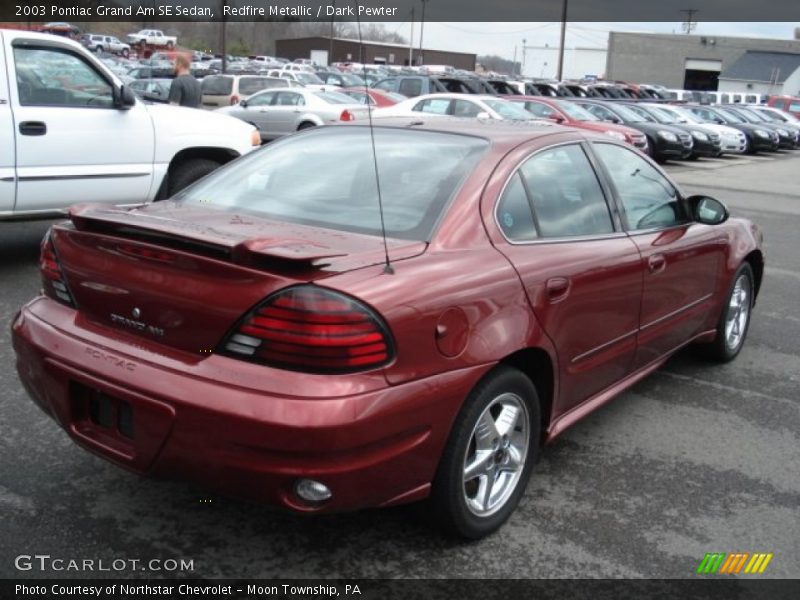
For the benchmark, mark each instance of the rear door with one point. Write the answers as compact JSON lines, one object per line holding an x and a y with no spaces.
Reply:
{"x":582,"y":274}
{"x":72,"y":144}
{"x":680,"y":258}
{"x":8,"y":174}
{"x":284,"y":112}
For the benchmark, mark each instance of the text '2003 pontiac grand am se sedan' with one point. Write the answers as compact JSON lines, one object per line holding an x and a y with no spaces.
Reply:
{"x":248,"y":333}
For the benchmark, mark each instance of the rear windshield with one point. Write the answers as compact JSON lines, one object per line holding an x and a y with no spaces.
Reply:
{"x":251,"y":85}
{"x":217,"y":85}
{"x":327,"y":179}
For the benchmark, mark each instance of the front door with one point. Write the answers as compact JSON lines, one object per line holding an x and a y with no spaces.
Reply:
{"x":72,"y":144}
{"x":8,"y":174}
{"x":680,"y":258}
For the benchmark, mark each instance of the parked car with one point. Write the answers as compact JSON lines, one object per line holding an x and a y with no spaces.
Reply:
{"x":152,"y":37}
{"x":105,"y":43}
{"x":226,"y":90}
{"x":167,"y":72}
{"x":71,"y":131}
{"x":705,"y":142}
{"x":373,"y":97}
{"x":664,"y":141}
{"x":759,"y":139}
{"x":458,"y":105}
{"x":778,"y":117}
{"x":787,"y":137}
{"x":568,"y":113}
{"x":732,"y":140}
{"x":420,"y":85}
{"x":788,"y":104}
{"x":283,"y":111}
{"x":250,"y":336}
{"x":305,"y":78}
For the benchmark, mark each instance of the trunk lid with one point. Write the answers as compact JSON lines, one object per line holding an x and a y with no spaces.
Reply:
{"x":183,"y":276}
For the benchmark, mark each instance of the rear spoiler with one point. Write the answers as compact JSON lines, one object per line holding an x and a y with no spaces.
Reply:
{"x":254,"y":252}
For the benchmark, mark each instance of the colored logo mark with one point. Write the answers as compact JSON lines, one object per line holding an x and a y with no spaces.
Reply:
{"x":735,"y":563}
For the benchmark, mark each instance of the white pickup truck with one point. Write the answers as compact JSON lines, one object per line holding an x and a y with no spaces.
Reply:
{"x":71,"y":132}
{"x":153,"y":37}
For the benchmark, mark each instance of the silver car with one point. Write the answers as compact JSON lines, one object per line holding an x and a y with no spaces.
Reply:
{"x":283,"y":111}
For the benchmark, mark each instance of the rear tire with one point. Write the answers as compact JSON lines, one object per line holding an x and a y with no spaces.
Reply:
{"x":734,"y":321}
{"x":188,"y":172}
{"x":305,"y":125}
{"x":489,"y":455}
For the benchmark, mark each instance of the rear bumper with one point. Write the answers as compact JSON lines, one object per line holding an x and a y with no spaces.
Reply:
{"x":372,"y":445}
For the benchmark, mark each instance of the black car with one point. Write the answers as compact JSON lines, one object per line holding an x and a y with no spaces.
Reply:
{"x":417,"y":85}
{"x":787,"y":138}
{"x":706,"y":141}
{"x":759,"y":139}
{"x":664,"y":141}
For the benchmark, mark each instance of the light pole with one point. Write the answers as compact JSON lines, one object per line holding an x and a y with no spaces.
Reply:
{"x":560,"y":71}
{"x":421,"y":58}
{"x":522,"y":68}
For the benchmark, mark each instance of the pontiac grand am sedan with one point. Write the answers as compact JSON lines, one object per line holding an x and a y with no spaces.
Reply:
{"x":258,"y":333}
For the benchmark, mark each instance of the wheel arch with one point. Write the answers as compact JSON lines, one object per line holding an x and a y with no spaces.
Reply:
{"x":220,"y":155}
{"x":756,"y":260}
{"x":537,"y":365}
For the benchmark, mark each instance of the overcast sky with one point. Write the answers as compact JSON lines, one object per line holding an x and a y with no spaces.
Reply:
{"x":501,"y":38}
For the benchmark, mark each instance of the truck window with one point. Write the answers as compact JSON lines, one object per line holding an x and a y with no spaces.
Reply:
{"x":54,"y":77}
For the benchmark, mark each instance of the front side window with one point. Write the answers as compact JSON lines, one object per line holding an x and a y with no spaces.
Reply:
{"x":50,"y":77}
{"x":540,"y":110}
{"x":648,"y":198}
{"x":566,"y":195}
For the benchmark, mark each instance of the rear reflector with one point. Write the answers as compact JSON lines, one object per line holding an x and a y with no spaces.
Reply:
{"x":53,"y":283}
{"x":314,"y":330}
{"x":347,"y":116}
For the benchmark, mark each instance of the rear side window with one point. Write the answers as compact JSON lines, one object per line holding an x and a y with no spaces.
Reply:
{"x":217,"y":85}
{"x":437,"y":106}
{"x":410,"y":87}
{"x":419,"y":173}
{"x":566,"y":195}
{"x":251,"y":85}
{"x":514,"y":212}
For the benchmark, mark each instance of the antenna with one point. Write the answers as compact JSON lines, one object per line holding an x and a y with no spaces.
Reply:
{"x":388,"y":269}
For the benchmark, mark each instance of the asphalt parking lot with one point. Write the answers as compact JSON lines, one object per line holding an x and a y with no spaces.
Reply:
{"x":697,"y":458}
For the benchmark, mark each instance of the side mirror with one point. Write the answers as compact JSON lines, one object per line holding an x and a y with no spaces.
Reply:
{"x":707,"y":210}
{"x":556,"y":118}
{"x":242,"y":103}
{"x":124,"y":97}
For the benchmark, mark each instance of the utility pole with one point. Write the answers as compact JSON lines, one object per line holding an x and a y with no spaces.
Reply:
{"x":522,"y":68}
{"x":514,"y":62}
{"x":689,"y":25}
{"x":224,"y":37}
{"x":560,"y":71}
{"x":330,"y":49}
{"x":421,"y":56}
{"x":411,"y":43}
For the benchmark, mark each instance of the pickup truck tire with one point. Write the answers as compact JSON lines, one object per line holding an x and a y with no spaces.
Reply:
{"x":99,"y":49}
{"x":188,"y":172}
{"x":170,"y":45}
{"x":125,"y":52}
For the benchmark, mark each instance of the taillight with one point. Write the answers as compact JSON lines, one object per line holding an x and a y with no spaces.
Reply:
{"x":347,"y":116}
{"x":234,"y":100}
{"x":53,"y":283}
{"x":314,"y":330}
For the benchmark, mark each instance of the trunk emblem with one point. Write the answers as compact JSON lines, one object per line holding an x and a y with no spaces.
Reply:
{"x":136,"y":313}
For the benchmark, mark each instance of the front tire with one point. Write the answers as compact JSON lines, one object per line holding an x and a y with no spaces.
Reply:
{"x":734,"y":321}
{"x":489,"y":456}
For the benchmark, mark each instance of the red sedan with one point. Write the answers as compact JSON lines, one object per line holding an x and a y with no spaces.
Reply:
{"x":378,"y":98}
{"x":569,"y":113}
{"x":260,"y":335}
